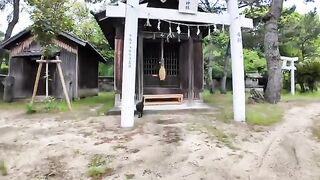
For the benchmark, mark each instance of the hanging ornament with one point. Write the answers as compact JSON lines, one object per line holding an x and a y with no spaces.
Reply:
{"x":178,"y":29}
{"x":148,"y":24}
{"x":188,"y":31}
{"x":170,"y":35}
{"x":198,"y":31}
{"x":159,"y":24}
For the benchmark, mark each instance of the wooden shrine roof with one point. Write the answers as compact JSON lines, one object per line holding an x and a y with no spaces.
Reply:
{"x":71,"y":40}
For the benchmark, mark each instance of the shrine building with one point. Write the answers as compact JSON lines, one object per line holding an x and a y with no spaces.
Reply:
{"x":170,"y":65}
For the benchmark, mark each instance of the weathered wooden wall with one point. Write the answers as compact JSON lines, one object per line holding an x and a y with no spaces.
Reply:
{"x":68,"y":66}
{"x":88,"y":74}
{"x":23,"y":69}
{"x":1,"y":86}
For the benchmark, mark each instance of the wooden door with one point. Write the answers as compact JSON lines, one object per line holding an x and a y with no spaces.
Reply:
{"x":152,"y":62}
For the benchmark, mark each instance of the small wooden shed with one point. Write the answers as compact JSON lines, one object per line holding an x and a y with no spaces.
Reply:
{"x":183,"y":55}
{"x":80,"y":65}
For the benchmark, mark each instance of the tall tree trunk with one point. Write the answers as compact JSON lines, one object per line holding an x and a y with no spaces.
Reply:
{"x":271,"y":44}
{"x":15,"y":19}
{"x":11,"y":25}
{"x":210,"y":80}
{"x":225,"y":70}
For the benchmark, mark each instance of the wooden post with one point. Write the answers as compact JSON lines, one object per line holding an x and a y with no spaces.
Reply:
{"x":293,"y":84}
{"x":64,"y":85}
{"x":35,"y":89}
{"x":190,"y":70}
{"x":47,"y":80}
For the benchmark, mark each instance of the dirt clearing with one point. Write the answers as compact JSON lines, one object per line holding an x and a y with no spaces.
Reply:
{"x":173,"y":146}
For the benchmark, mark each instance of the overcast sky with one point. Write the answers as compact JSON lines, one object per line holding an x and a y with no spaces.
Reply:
{"x":25,"y":20}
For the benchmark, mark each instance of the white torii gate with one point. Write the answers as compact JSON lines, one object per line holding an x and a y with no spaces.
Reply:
{"x":132,"y":11}
{"x":290,"y":67}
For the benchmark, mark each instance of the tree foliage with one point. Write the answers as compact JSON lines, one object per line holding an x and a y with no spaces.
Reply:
{"x":49,"y":18}
{"x":254,"y":61}
{"x":87,"y":28}
{"x":215,"y":49}
{"x":301,"y":34}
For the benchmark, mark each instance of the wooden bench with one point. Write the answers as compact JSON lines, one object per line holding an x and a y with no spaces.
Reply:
{"x":163,"y":99}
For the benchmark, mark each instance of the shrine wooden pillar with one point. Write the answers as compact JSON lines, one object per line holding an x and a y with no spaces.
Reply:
{"x":118,"y":64}
{"x":198,"y":68}
{"x":140,"y":68}
{"x":190,"y":70}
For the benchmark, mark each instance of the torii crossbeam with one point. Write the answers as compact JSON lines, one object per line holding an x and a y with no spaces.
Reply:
{"x":132,"y":11}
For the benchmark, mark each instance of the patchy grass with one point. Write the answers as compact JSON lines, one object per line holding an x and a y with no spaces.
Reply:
{"x":214,"y":132}
{"x":304,"y":97}
{"x":103,"y":102}
{"x":129,"y":176}
{"x":316,"y":128}
{"x":224,"y":104}
{"x":12,"y":106}
{"x":3,"y":168}
{"x":98,"y":167}
{"x":262,"y":114}
{"x":120,"y":146}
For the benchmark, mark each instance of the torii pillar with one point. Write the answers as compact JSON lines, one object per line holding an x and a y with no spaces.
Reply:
{"x":129,"y":64}
{"x":131,"y":14}
{"x":238,"y":85}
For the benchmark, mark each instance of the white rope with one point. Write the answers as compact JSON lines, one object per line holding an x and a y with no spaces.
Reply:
{"x":178,"y":29}
{"x":173,"y":22}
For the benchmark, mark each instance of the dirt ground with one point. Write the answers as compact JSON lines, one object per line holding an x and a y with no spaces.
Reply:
{"x":161,"y":146}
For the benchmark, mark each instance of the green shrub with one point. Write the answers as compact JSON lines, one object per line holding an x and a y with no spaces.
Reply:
{"x":30,"y":109}
{"x":4,"y":69}
{"x":308,"y":75}
{"x":50,"y":104}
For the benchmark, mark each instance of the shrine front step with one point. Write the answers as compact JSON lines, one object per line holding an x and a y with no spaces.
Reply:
{"x":163,"y":99}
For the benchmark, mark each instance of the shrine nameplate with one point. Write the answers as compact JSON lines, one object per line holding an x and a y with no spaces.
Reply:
{"x":188,"y":6}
